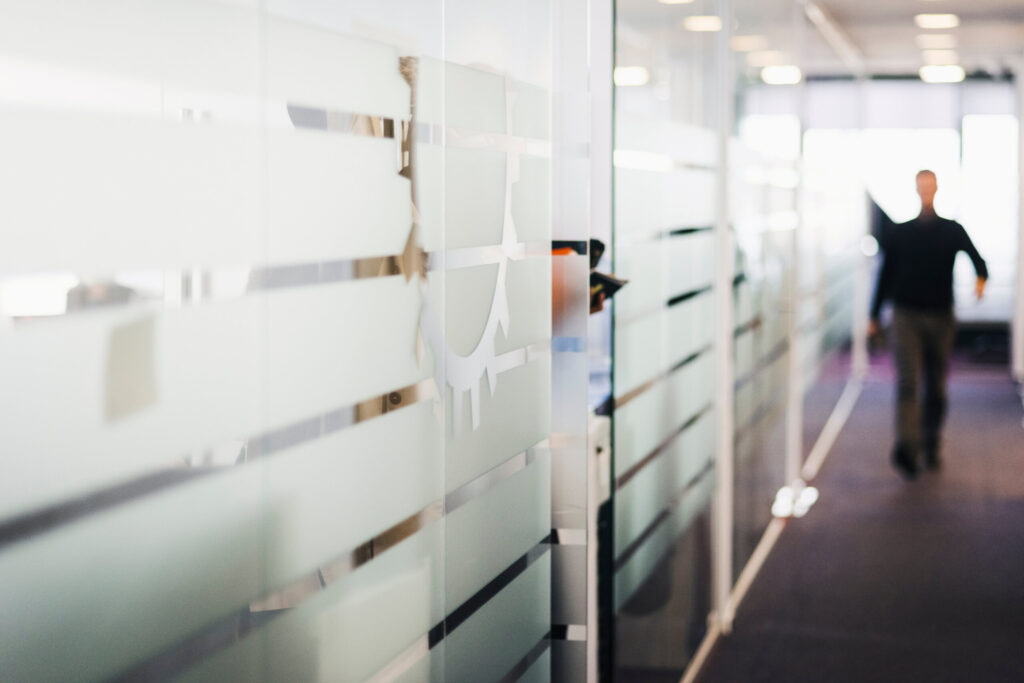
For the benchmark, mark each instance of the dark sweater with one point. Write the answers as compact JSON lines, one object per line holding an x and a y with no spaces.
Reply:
{"x":917,"y":271}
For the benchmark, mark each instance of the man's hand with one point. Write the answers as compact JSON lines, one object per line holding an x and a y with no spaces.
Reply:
{"x":979,"y":287}
{"x":874,"y":327}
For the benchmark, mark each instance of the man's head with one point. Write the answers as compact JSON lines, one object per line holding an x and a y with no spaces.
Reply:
{"x":927,"y":185}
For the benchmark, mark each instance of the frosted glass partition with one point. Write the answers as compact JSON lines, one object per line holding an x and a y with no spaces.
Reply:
{"x":835,"y":216}
{"x":276,"y":339}
{"x":665,"y":202}
{"x":763,"y":195}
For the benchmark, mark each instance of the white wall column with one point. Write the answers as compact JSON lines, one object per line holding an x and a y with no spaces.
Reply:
{"x":1017,"y":326}
{"x":722,"y":512}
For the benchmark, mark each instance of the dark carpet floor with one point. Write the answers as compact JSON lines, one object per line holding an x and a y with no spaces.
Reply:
{"x":886,"y":580}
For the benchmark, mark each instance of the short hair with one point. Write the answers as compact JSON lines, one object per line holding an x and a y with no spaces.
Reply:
{"x":926,"y":171}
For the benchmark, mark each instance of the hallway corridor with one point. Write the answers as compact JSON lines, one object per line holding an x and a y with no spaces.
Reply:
{"x":892,"y":581}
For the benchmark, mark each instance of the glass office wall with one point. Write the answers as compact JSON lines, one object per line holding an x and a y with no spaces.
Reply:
{"x":664,"y":428}
{"x":276,"y":337}
{"x":764,"y":181}
{"x":669,"y":105}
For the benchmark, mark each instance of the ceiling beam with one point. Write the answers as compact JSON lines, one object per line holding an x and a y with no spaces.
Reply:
{"x":833,"y":33}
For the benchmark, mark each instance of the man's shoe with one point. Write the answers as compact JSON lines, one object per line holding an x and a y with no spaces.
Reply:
{"x":904,"y":463}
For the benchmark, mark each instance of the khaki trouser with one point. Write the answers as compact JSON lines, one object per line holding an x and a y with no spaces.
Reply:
{"x":922,"y":344}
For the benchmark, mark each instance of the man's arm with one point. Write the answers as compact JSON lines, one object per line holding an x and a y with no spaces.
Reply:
{"x":980,"y":268}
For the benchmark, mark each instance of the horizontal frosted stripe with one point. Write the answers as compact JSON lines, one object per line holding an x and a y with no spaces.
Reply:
{"x":743,"y":303}
{"x":94,"y":597}
{"x":497,"y":527}
{"x":351,"y":629}
{"x":474,"y":100}
{"x":310,"y":66}
{"x":641,"y":564}
{"x":685,"y":144}
{"x":430,"y":91}
{"x":92,"y":194}
{"x":647,"y":346}
{"x":529,"y":297}
{"x":149,"y":194}
{"x":198,"y":377}
{"x":512,"y":419}
{"x":690,"y":199}
{"x":642,"y":265}
{"x":645,"y":422}
{"x":646,"y":495}
{"x":651,"y":200}
{"x":157,"y":371}
{"x":472,"y":300}
{"x":428,"y":169}
{"x":372,"y":475}
{"x":334,"y":197}
{"x":147,"y":42}
{"x":638,"y":352}
{"x":690,"y":326}
{"x":487,"y":645}
{"x":474,"y":197}
{"x":213,"y":545}
{"x":531,"y":111}
{"x":469,"y":302}
{"x":691,"y":259}
{"x":569,"y":372}
{"x":531,"y":200}
{"x":638,"y":201}
{"x":321,"y":354}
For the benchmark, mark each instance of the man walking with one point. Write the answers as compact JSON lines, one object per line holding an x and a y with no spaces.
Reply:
{"x":917,"y":276}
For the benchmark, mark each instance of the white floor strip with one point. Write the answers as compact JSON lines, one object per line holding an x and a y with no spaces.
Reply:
{"x":754,"y":564}
{"x":836,"y":422}
{"x":708,"y":644}
{"x":827,"y":438}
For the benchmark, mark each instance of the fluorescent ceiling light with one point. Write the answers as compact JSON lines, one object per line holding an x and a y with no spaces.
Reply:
{"x":748,"y":43}
{"x":936,"y":41}
{"x":631,"y":75}
{"x":783,"y":74}
{"x":940,"y":57}
{"x":703,"y":22}
{"x":766,"y":58}
{"x":941,"y":73}
{"x":937,"y":20}
{"x":675,"y":2}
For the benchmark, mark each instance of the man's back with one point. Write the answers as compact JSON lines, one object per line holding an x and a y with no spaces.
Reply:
{"x":917,"y":272}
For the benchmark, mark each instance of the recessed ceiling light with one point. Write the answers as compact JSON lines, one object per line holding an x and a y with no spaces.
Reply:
{"x":783,"y":74}
{"x":940,"y":56}
{"x":937,"y":20}
{"x":699,"y":22}
{"x":631,"y":75}
{"x":675,"y":2}
{"x":936,"y":41}
{"x":766,"y":58}
{"x":941,"y":73}
{"x":748,"y":43}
